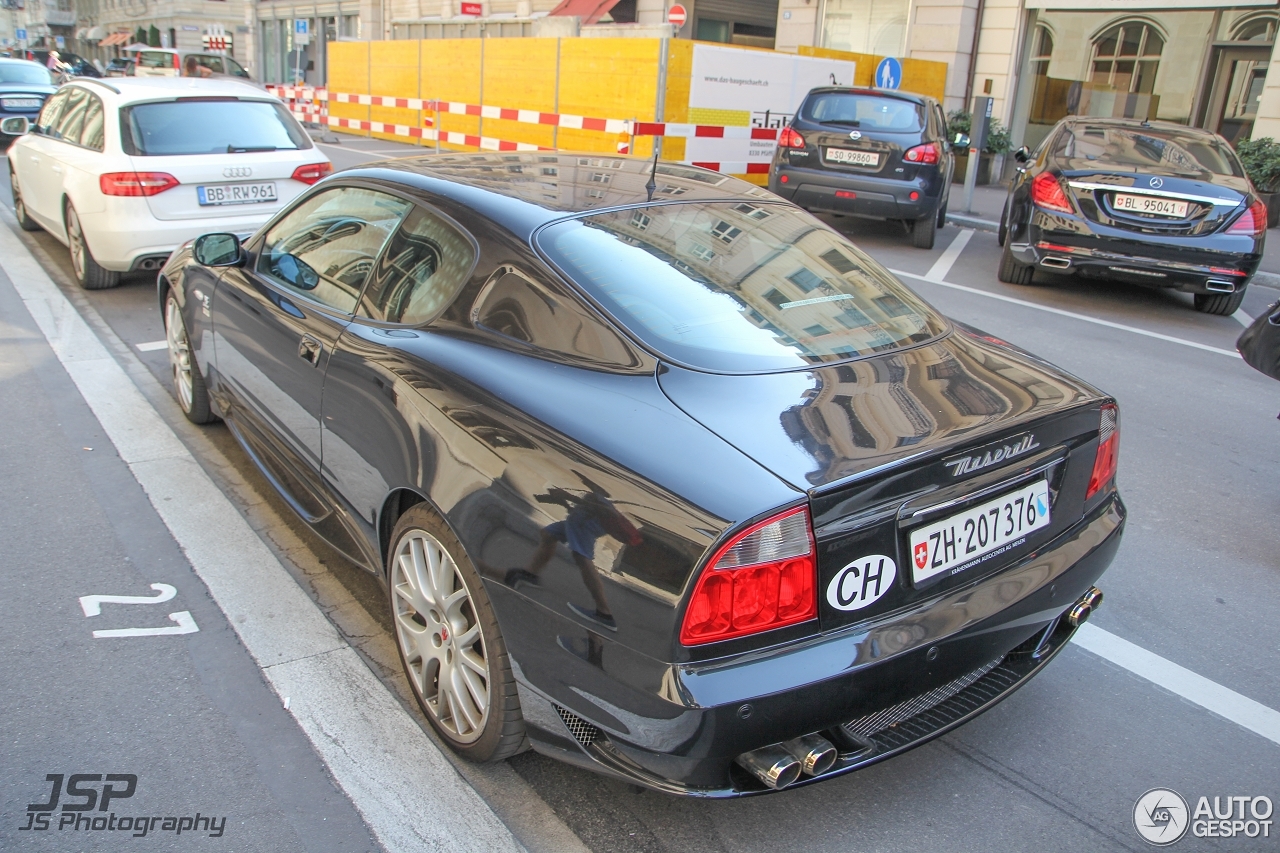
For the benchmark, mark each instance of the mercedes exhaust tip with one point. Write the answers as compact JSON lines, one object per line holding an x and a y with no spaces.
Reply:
{"x":1218,"y":285}
{"x":1084,"y":607}
{"x":773,"y":765}
{"x":815,"y":753}
{"x":1055,"y":262}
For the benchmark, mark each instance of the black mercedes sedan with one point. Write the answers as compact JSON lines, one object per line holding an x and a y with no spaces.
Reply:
{"x":1147,"y":203}
{"x":876,"y":153}
{"x":663,"y":476}
{"x":24,"y":85}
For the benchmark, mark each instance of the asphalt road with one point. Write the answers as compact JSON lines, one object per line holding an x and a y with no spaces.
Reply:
{"x":1059,"y":765}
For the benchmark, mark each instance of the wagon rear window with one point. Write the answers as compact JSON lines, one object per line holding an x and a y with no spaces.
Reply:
{"x":739,"y":288}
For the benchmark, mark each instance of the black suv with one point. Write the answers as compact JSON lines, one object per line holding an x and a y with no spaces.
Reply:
{"x":868,"y":152}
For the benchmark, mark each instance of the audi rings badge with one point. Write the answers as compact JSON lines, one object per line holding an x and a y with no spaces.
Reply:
{"x":237,"y":172}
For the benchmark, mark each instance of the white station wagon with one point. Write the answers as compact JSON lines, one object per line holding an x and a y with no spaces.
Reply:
{"x":124,"y":171}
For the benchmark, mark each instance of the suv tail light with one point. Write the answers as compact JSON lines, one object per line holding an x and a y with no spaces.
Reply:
{"x":136,"y":183}
{"x":1046,"y":192}
{"x":763,"y":578}
{"x":927,"y":154}
{"x":790,"y":139}
{"x":311,"y":172}
{"x":1104,"y":463}
{"x":1252,"y":222}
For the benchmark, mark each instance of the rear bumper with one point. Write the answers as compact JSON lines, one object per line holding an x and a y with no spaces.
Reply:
{"x":979,"y":637}
{"x":857,"y":195}
{"x":125,"y":234}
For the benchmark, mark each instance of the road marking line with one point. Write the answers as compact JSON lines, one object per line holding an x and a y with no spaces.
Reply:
{"x":92,"y":604}
{"x":184,"y":624}
{"x":151,"y":346}
{"x":1242,"y":318}
{"x":408,"y":793}
{"x":1210,"y":695}
{"x":950,"y":255}
{"x":1085,"y":317}
{"x":345,"y":150}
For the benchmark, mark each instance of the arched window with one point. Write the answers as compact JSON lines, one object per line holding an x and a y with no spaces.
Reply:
{"x":1048,"y":98}
{"x":1260,"y":28}
{"x":1126,"y":56}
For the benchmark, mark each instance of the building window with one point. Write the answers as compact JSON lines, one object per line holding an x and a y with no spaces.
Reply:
{"x":1125,"y":58}
{"x":866,"y":26}
{"x":1261,"y":28}
{"x":1048,"y":94}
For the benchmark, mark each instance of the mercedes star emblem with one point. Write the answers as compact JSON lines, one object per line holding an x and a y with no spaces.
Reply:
{"x":1157,"y":183}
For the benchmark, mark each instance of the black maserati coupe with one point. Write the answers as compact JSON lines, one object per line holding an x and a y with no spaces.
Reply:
{"x":1147,"y":203}
{"x":664,"y":477}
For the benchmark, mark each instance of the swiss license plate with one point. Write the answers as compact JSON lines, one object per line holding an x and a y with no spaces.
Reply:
{"x":236,"y":193}
{"x":22,"y":103}
{"x":964,"y":540}
{"x":853,"y":158}
{"x":1151,"y":204}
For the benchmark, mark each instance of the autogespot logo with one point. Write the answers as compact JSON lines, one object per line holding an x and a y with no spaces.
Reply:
{"x":1160,"y":816}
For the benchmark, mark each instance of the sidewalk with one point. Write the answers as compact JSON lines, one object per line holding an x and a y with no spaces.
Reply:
{"x":988,"y":202}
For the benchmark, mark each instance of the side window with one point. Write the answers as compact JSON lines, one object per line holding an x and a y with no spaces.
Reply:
{"x":72,"y":121}
{"x":91,"y":136}
{"x":515,"y":307}
{"x":426,"y":264}
{"x":52,"y":111}
{"x":325,"y":247}
{"x":235,"y":68}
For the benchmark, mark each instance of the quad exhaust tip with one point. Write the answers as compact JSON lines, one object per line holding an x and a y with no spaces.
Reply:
{"x":1055,"y":262}
{"x":780,"y":765}
{"x":1084,"y":607}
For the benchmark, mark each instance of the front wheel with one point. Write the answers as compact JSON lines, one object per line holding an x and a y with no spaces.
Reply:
{"x":1222,"y":304}
{"x":450,"y":644}
{"x":20,"y":206}
{"x":188,"y":383}
{"x":88,"y":272}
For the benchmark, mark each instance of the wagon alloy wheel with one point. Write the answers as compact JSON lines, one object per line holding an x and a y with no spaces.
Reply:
{"x":440,"y":637}
{"x":20,"y":206}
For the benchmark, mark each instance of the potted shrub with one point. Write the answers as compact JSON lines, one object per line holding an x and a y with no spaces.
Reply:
{"x":998,"y":142}
{"x":1261,"y":159}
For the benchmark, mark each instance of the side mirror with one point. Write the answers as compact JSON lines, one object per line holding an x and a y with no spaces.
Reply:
{"x":15,"y":126}
{"x":218,"y":250}
{"x":961,"y":141}
{"x":1022,"y":155}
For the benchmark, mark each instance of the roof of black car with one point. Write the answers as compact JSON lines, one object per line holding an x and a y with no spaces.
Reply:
{"x":913,"y":97}
{"x":525,"y":189}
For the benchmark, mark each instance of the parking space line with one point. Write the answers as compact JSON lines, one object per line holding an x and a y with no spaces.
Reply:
{"x":347,"y":150}
{"x":151,"y":346}
{"x":1179,"y":680}
{"x":1063,"y":313}
{"x":947,"y":259}
{"x":1242,"y":318}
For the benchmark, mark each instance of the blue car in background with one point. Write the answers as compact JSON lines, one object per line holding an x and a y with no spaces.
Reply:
{"x":24,"y":86}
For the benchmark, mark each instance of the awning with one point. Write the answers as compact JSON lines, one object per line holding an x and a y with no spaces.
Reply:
{"x":94,"y":34}
{"x":589,"y":11}
{"x":115,"y":39}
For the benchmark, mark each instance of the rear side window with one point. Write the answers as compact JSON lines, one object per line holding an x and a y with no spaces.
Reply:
{"x":872,"y":112}
{"x":72,"y":121}
{"x":426,"y":264}
{"x":91,"y":136}
{"x":210,"y":126}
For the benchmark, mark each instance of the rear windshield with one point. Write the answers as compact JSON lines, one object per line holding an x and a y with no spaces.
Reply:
{"x":738,"y":288}
{"x":869,"y":111}
{"x":1190,"y":154}
{"x":25,"y":73}
{"x":155,"y":59}
{"x":211,"y":126}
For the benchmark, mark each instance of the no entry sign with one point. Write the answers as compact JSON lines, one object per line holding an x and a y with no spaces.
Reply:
{"x":677,"y":15}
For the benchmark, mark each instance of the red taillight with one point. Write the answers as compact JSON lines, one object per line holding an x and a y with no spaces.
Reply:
{"x":926,"y":154}
{"x":312,"y":172}
{"x":790,"y":139}
{"x":1046,"y":192}
{"x":136,"y":183}
{"x":764,"y":578}
{"x":177,"y":64}
{"x":1104,"y":462}
{"x":1252,"y":222}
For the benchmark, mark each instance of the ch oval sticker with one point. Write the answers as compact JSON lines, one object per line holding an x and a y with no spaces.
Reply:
{"x":862,"y":582}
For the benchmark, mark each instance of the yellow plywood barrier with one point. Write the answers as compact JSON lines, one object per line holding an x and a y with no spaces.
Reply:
{"x":451,"y":72}
{"x":607,"y":78}
{"x":393,"y":72}
{"x":521,"y":73}
{"x":348,"y":64}
{"x":922,"y":76}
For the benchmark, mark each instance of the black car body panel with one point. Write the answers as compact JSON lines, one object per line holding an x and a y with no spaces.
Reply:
{"x":493,"y":433}
{"x":1194,"y":253}
{"x":13,"y":89}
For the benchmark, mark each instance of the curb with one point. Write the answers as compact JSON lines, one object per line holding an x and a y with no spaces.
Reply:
{"x":1266,"y":279}
{"x":979,"y":224}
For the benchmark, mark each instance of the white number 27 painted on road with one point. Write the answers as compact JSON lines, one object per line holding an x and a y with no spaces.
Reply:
{"x":183,"y":623}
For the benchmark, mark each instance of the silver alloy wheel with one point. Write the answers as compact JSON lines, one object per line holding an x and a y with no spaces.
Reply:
{"x":440,"y":636}
{"x":179,"y":353}
{"x":75,"y":242}
{"x":19,"y":206}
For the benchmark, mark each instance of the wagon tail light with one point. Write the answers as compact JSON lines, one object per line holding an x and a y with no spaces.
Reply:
{"x":763,"y":578}
{"x":311,"y":172}
{"x":1046,"y":192}
{"x":1252,"y":222}
{"x":1104,"y":462}
{"x":790,"y":139}
{"x":136,"y":183}
{"x":927,"y":154}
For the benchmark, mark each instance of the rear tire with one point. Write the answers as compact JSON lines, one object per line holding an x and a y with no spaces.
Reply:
{"x":1012,"y":271}
{"x":1221,"y":304}
{"x":88,"y":272}
{"x":923,"y":232}
{"x":20,"y":206}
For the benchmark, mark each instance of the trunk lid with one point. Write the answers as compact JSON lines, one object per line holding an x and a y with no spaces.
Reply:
{"x":835,"y":148}
{"x":897,"y":443}
{"x":1155,"y":203}
{"x":229,"y":181}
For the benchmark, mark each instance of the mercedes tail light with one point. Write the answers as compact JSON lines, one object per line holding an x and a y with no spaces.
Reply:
{"x":927,"y":154}
{"x":790,"y":139}
{"x":136,"y":183}
{"x":1046,"y":192}
{"x":1252,"y":222}
{"x":766,"y":577}
{"x":312,"y":172}
{"x":1104,"y":462}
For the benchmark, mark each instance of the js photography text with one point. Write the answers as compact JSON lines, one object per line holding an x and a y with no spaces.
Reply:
{"x":84,"y":791}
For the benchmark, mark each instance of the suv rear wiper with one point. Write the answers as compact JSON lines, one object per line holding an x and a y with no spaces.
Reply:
{"x":848,"y":122}
{"x":247,"y":149}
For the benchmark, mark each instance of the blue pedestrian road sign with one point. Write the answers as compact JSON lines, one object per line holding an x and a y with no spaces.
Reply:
{"x":888,"y":73}
{"x":20,"y":34}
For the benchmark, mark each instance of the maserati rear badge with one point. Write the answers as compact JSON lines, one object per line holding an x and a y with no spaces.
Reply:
{"x":991,"y":454}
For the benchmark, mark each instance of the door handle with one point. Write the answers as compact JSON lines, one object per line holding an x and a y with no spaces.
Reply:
{"x":57,"y":170}
{"x":309,"y":350}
